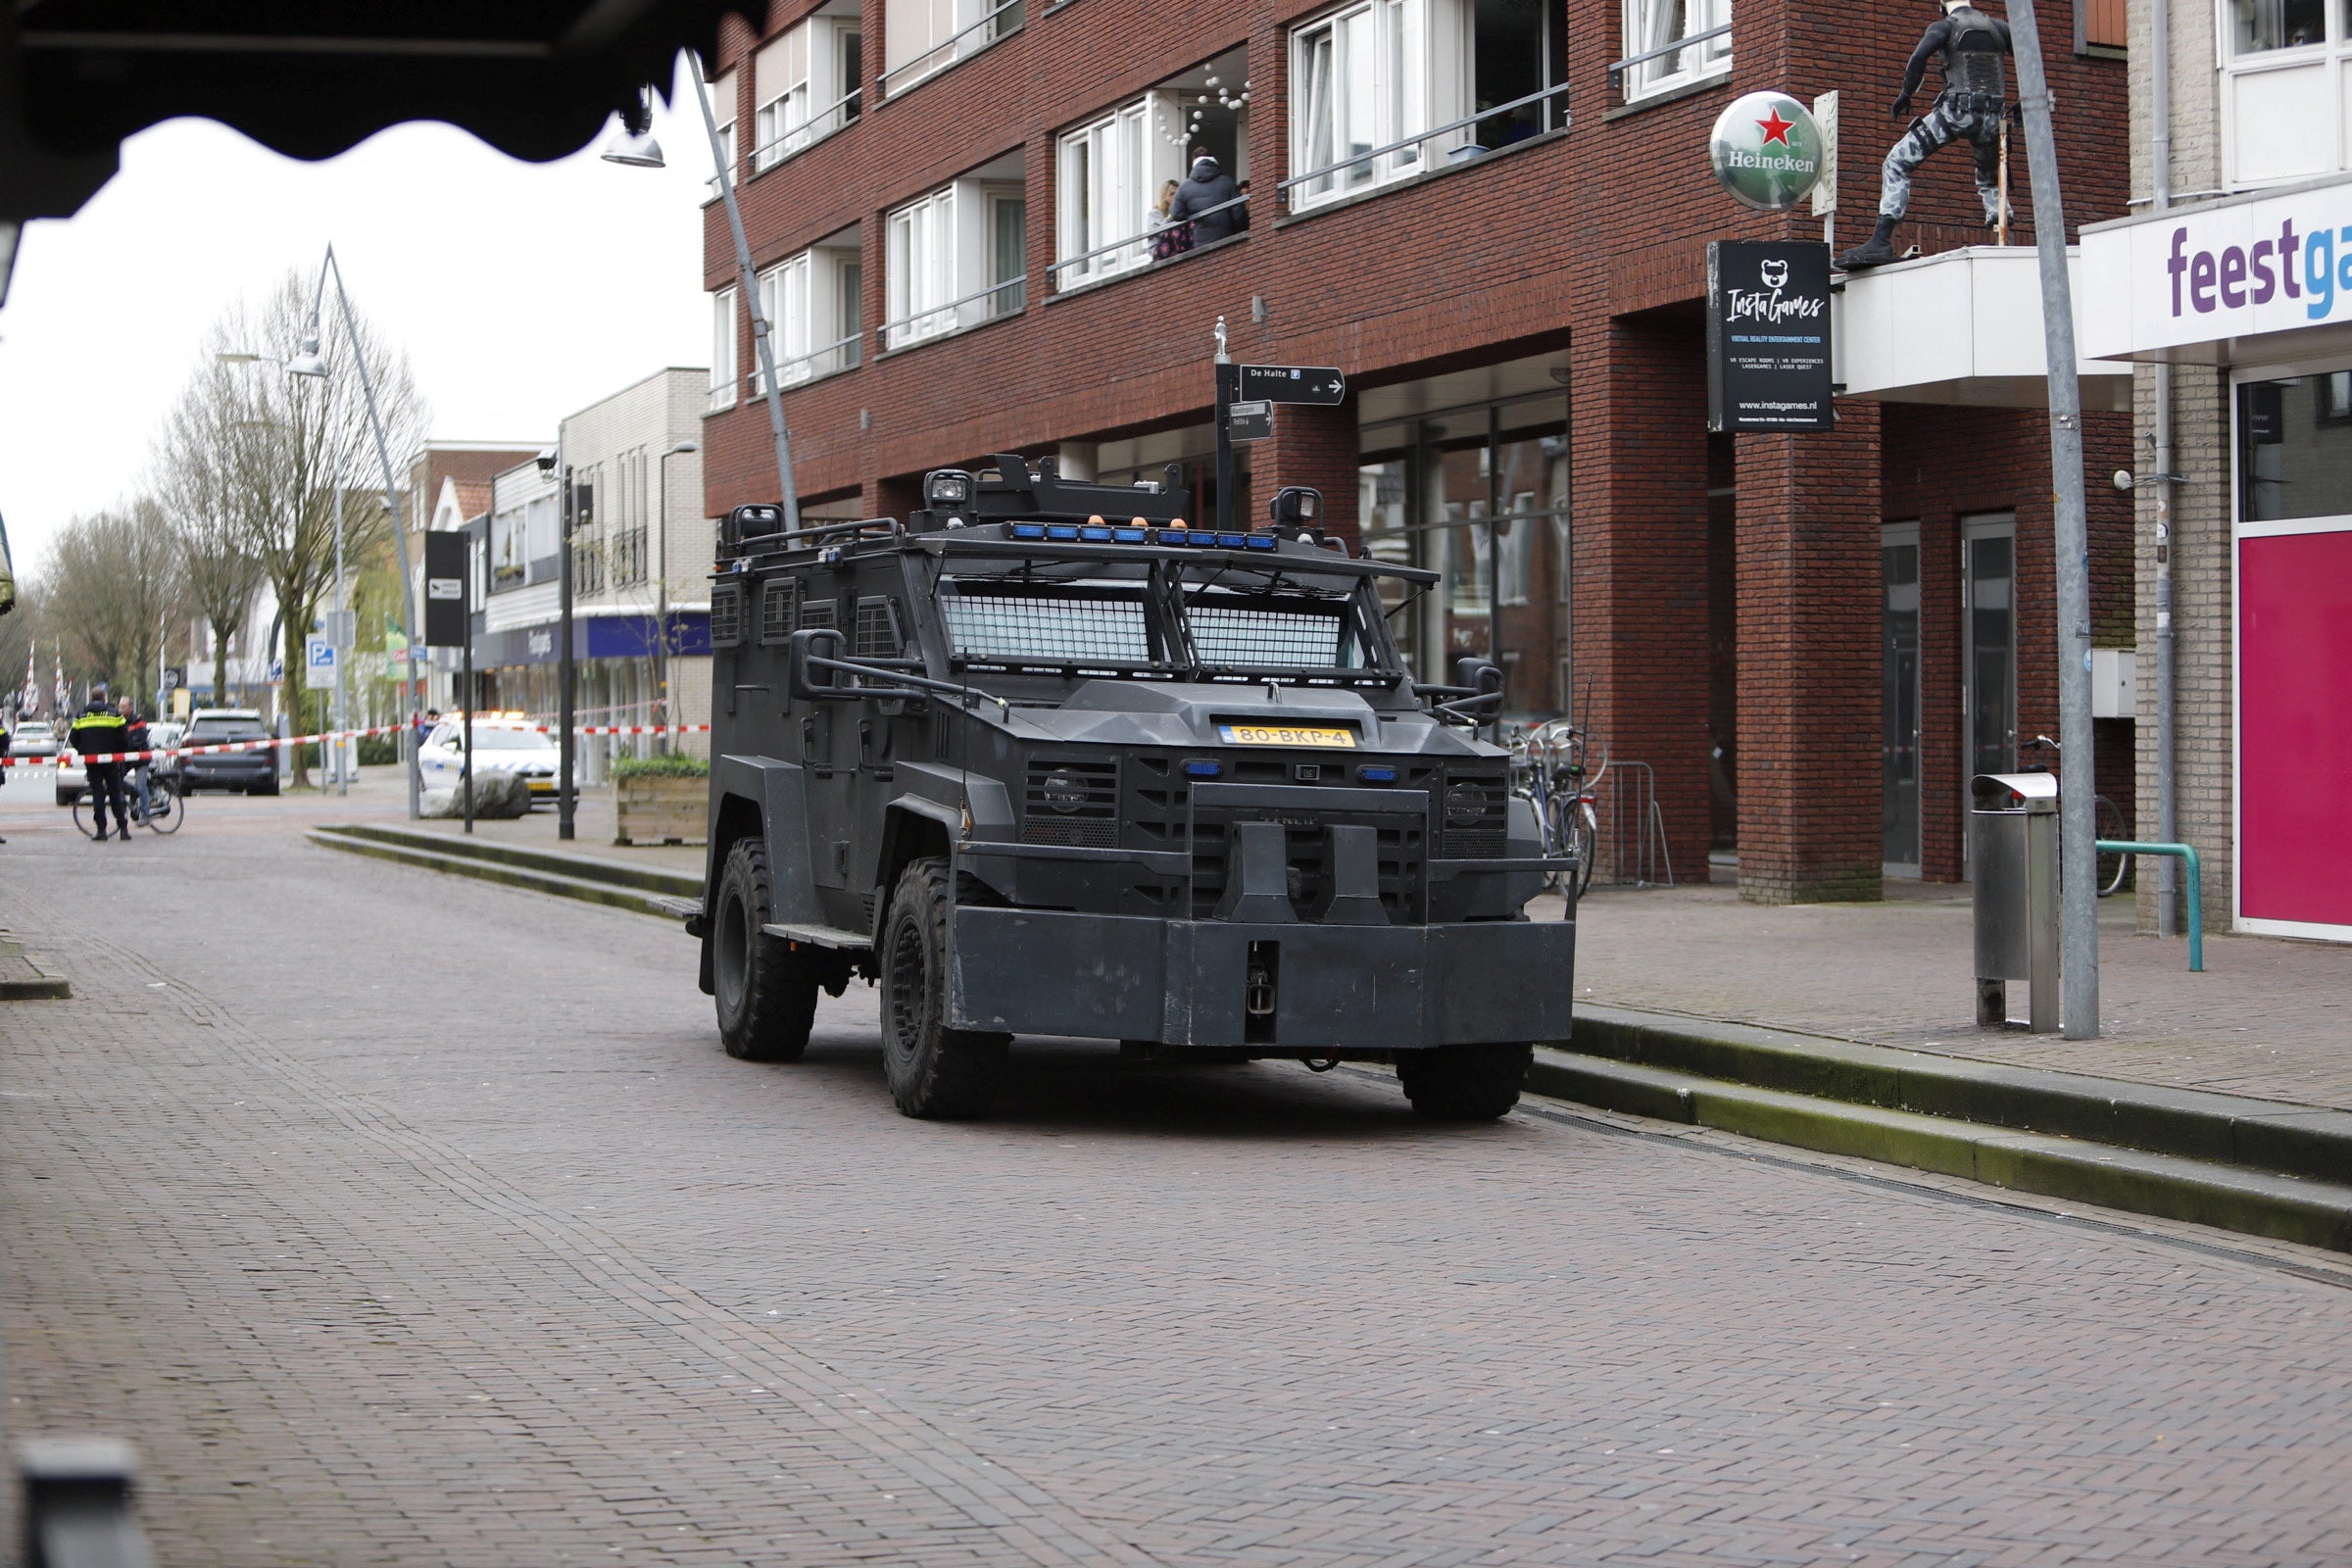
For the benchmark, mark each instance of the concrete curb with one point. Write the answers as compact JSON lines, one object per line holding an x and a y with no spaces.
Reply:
{"x":2263,"y":1135}
{"x":2257,"y":1167}
{"x":24,"y":980}
{"x":510,"y":873}
{"x":561,"y":862}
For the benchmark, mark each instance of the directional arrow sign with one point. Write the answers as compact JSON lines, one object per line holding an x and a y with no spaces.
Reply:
{"x":1291,"y":383}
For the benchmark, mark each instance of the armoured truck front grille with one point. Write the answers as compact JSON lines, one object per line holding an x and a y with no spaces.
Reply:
{"x":1071,"y":802}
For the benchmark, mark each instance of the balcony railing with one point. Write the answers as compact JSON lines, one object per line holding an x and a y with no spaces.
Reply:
{"x":797,"y":137}
{"x":1091,"y":269}
{"x":953,"y":49}
{"x":1002,"y":299}
{"x":1368,"y":160}
{"x":1618,"y":69}
{"x":844,"y":353}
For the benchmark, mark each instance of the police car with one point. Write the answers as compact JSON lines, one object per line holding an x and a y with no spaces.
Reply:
{"x":502,"y":742}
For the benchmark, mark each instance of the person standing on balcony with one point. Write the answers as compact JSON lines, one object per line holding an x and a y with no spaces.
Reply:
{"x":1209,"y":187}
{"x":1969,"y":46}
{"x":1168,"y":237}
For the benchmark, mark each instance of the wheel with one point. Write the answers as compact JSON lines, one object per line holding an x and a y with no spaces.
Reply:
{"x":270,"y":788}
{"x":1464,"y":1083}
{"x":2114,"y":869}
{"x":935,"y":1072}
{"x":168,"y":809}
{"x":68,"y":796}
{"x":766,"y":994}
{"x":83,"y":815}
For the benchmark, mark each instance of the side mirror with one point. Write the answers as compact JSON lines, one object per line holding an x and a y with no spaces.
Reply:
{"x":1479,"y":675}
{"x":812,"y":685}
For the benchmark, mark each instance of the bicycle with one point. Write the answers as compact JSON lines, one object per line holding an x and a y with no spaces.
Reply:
{"x":160,"y":808}
{"x":2107,"y":817}
{"x":1547,"y":771}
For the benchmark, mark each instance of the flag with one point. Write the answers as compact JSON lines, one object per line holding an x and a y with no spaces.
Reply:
{"x":65,"y":693}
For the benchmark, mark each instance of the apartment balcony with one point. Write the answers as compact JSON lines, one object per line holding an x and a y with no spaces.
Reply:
{"x":1961,"y":328}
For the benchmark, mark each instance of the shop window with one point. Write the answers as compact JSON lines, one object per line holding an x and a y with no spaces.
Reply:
{"x":1671,"y":44}
{"x":2296,"y":448}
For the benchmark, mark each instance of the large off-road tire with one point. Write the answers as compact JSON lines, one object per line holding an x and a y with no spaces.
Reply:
{"x":1464,"y":1083}
{"x":767,"y":992}
{"x":935,"y":1072}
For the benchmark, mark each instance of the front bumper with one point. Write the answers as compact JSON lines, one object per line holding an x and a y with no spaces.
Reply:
{"x":1183,"y":982}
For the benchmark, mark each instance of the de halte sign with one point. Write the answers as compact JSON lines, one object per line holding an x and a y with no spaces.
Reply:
{"x":1768,"y":336}
{"x":1767,"y":151}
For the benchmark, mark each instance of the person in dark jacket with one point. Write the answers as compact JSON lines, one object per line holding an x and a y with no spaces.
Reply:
{"x":134,"y":739}
{"x":97,"y":731}
{"x":1209,"y":186}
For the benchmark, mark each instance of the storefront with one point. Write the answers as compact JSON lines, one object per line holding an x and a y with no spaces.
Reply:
{"x":2260,"y":288}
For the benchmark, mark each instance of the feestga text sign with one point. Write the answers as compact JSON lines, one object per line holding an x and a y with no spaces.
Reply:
{"x":1768,"y":336}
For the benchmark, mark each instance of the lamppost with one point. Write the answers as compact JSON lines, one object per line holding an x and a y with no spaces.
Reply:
{"x":661,"y":580}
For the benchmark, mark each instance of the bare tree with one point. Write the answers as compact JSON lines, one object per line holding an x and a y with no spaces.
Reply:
{"x":287,"y":443}
{"x":202,"y":462}
{"x":110,"y":590}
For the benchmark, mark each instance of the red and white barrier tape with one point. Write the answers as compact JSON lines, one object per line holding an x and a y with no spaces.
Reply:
{"x":74,"y":759}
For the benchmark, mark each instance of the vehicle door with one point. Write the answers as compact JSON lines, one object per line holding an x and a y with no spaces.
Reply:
{"x":442,"y":758}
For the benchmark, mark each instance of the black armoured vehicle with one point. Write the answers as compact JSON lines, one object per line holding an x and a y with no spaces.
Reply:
{"x":1043,"y":760}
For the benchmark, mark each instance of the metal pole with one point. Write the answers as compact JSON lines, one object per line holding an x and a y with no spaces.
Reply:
{"x":342,"y":618}
{"x":1227,"y":377}
{"x":2167,"y":826}
{"x":751,"y":300}
{"x":400,"y":533}
{"x":565,"y":672}
{"x":465,"y":714}
{"x":2079,"y":914}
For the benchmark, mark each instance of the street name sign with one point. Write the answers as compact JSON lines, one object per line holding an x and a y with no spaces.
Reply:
{"x":1768,"y":336}
{"x":1251,"y":421}
{"x":1319,"y":384}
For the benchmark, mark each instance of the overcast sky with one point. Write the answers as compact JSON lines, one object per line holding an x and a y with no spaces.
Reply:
{"x":522,"y":292}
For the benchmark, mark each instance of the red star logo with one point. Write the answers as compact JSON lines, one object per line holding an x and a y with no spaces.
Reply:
{"x":1776,"y":128}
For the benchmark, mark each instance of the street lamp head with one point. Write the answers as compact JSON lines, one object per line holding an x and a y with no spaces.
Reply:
{"x":310,"y":362}
{"x":635,"y":148}
{"x":683,"y":446}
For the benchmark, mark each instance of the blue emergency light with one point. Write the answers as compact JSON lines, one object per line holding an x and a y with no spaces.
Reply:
{"x":1028,"y":530}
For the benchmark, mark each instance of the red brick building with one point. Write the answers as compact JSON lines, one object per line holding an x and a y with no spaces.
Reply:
{"x":951,"y":207}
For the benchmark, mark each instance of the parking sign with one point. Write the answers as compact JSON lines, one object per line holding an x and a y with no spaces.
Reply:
{"x":318,"y":656}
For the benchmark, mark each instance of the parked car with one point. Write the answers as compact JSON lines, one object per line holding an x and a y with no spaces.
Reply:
{"x":502,"y":742}
{"x":72,"y":782}
{"x":255,"y":772}
{"x":35,"y":737}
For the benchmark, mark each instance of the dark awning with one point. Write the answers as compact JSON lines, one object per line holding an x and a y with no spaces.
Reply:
{"x":535,"y":78}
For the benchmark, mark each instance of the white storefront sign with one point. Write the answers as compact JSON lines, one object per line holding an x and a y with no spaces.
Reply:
{"x":2218,"y":275}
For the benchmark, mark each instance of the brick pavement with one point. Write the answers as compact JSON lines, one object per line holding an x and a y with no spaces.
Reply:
{"x":2267,"y":1017}
{"x":409,"y":1220}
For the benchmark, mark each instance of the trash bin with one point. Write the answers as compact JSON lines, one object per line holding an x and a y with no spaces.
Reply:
{"x":2013,"y":862}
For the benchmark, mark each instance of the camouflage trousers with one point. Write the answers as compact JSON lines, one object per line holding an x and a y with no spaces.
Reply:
{"x":1946,"y":120}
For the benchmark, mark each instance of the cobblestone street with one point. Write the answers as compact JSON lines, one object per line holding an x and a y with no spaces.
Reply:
{"x":406,"y":1219}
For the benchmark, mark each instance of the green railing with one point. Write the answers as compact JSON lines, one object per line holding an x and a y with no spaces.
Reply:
{"x":2187,"y":856}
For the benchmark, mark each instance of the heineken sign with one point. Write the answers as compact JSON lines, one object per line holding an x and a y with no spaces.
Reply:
{"x":1767,"y":151}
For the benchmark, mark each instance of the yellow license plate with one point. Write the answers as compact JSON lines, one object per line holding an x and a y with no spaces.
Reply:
{"x":1278,"y":735}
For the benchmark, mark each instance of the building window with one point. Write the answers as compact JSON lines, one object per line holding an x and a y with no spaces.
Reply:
{"x":723,"y":110}
{"x":2285,"y":101}
{"x":724,"y":337}
{"x":2261,"y":26}
{"x":2296,"y":448}
{"x":2102,"y":25}
{"x":812,"y":305}
{"x":1106,"y":190}
{"x":921,"y":38}
{"x":1116,"y":177}
{"x":958,"y":258}
{"x":1653,"y":29}
{"x":807,"y":85}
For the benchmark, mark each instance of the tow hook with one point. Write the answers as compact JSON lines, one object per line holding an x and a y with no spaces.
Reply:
{"x":1320,"y":1063}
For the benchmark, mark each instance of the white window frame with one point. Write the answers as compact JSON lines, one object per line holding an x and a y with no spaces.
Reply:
{"x":1107,"y":175}
{"x":781,"y":87}
{"x":1651,"y":24}
{"x":2305,"y":82}
{"x":923,"y":37}
{"x":921,"y":245}
{"x":784,"y":301}
{"x":722,"y":111}
{"x":727,"y":333}
{"x":1393,"y":68}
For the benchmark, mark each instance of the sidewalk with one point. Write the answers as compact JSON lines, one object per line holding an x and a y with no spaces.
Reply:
{"x":2269,"y":1019}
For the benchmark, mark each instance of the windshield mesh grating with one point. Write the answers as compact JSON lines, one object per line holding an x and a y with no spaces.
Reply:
{"x":1051,"y":630}
{"x":1271,"y":639}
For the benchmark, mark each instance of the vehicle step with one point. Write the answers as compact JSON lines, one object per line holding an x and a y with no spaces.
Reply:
{"x":609,"y":894}
{"x":561,"y":863}
{"x":2289,"y":1209}
{"x":822,"y":936}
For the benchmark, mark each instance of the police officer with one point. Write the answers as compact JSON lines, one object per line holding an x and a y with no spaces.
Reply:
{"x":99,"y":730}
{"x":134,"y":739}
{"x":1968,"y":45}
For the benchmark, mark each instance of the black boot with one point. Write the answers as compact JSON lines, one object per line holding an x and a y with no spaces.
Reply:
{"x":1876,"y":251}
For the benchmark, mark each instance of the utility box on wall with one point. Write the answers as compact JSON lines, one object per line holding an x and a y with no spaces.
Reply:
{"x":2114,"y":682}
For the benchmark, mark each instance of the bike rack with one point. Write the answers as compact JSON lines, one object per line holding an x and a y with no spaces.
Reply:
{"x":1631,"y":828}
{"x":2187,"y":856}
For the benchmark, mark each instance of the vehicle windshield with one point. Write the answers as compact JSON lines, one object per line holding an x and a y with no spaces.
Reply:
{"x":34,"y":729}
{"x":212,"y":731}
{"x":1231,"y":622}
{"x":487,"y":739}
